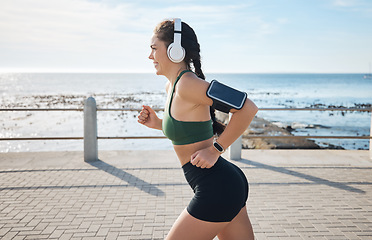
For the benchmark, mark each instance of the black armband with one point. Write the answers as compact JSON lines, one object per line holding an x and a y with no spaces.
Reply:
{"x":224,"y":97}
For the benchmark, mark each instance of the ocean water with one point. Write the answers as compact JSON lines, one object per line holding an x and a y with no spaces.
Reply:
{"x":68,"y":90}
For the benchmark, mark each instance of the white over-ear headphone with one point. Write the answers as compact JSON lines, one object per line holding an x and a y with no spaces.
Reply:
{"x":175,"y":51}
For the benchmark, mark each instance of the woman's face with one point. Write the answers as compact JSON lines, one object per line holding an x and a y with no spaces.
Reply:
{"x":159,"y":55}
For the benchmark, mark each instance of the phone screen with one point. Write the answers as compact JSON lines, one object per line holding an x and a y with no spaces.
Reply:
{"x":226,"y":94}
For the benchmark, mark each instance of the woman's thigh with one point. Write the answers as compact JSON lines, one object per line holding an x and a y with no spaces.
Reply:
{"x":188,"y":227}
{"x":239,"y":228}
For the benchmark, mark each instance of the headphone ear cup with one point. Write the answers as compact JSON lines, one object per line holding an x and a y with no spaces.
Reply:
{"x":176,"y":53}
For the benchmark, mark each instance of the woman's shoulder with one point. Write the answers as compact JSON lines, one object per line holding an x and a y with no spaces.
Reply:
{"x":190,"y":81}
{"x":191,"y":87}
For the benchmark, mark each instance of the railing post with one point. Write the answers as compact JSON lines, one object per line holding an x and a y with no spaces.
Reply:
{"x":90,"y":130}
{"x":235,"y":150}
{"x":370,"y":140}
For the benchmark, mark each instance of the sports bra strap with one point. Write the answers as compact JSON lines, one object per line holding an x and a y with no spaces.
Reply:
{"x":180,"y":75}
{"x":175,"y":82}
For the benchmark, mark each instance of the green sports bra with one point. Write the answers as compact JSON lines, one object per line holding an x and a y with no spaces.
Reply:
{"x":180,"y":132}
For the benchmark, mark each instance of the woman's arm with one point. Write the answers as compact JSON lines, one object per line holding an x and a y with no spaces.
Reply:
{"x":149,"y":118}
{"x":194,"y":90}
{"x":238,"y":123}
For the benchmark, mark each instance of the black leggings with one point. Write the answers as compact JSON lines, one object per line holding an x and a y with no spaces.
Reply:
{"x":220,"y":191}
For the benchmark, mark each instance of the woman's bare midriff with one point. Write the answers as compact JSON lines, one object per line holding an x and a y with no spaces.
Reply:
{"x":184,"y":152}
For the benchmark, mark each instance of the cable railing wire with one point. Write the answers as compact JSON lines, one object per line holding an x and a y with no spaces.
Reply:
{"x":343,"y":109}
{"x":161,"y":109}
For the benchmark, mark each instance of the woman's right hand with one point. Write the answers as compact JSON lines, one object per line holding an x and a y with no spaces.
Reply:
{"x":148,"y":117}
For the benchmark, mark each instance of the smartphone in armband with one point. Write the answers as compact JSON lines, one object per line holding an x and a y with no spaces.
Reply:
{"x":224,"y":97}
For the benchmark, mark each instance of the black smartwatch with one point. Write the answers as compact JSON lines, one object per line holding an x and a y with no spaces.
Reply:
{"x":218,"y":147}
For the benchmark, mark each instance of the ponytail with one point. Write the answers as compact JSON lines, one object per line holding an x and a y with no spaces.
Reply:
{"x":218,"y":127}
{"x":197,"y":68}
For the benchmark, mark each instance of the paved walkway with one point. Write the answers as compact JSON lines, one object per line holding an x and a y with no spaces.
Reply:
{"x":295,"y":194}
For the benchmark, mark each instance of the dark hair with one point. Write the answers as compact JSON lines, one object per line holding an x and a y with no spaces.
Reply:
{"x":165,"y":32}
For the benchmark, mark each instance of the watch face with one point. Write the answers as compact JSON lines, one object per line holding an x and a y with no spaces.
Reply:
{"x":218,"y":147}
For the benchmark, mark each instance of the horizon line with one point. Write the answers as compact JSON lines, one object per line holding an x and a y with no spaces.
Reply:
{"x":152,"y":72}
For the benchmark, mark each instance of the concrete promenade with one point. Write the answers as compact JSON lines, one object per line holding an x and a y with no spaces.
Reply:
{"x":294,"y":194}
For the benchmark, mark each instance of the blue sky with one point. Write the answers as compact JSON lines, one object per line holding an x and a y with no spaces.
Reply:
{"x":253,"y":36}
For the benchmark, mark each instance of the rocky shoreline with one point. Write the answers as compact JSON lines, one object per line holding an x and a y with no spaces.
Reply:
{"x":260,"y":126}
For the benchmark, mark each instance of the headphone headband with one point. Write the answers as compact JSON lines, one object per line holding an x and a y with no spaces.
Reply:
{"x":176,"y":53}
{"x":177,"y":25}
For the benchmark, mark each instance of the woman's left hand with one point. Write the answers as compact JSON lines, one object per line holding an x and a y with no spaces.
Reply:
{"x":205,"y":158}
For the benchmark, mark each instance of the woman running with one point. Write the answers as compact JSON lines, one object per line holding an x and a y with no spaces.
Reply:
{"x":218,"y":207}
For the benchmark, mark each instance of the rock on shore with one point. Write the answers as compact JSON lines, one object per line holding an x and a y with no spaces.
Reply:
{"x":260,"y":126}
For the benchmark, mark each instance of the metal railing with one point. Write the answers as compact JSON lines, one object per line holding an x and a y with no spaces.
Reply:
{"x":90,"y":128}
